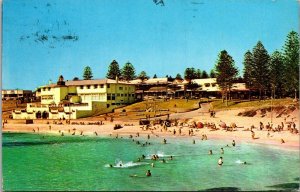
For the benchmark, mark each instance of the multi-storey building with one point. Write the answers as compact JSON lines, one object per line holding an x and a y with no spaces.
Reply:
{"x":79,"y":98}
{"x":17,"y":94}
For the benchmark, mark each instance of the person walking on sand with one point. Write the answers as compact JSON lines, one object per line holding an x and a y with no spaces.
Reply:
{"x":220,"y":162}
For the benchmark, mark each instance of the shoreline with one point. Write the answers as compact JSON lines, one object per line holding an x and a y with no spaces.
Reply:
{"x":291,"y":140}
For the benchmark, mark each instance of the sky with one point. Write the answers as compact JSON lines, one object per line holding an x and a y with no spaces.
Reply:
{"x":43,"y":39}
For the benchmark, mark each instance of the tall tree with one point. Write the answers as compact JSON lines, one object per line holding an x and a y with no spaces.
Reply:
{"x":155,"y":76}
{"x":276,"y":69}
{"x":178,"y":77}
{"x":212,"y":74}
{"x":198,"y":74}
{"x":248,"y":69}
{"x":143,"y":75}
{"x":128,"y":72}
{"x":113,"y":70}
{"x":291,"y":62}
{"x":87,"y":73}
{"x":226,"y":72}
{"x":204,"y":75}
{"x":261,"y":72}
{"x":190,"y":73}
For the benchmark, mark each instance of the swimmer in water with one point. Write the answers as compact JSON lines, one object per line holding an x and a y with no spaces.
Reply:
{"x":171,"y":157}
{"x":165,"y":141}
{"x":220,"y":162}
{"x":110,"y":165}
{"x":148,"y":173}
{"x":233,"y":143}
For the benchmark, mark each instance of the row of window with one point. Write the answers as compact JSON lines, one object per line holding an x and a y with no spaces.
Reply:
{"x":113,"y":96}
{"x":93,"y":86}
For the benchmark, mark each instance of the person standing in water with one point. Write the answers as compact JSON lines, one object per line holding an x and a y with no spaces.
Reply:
{"x":233,"y":143}
{"x":220,"y":162}
{"x":222,"y":150}
{"x":148,"y":173}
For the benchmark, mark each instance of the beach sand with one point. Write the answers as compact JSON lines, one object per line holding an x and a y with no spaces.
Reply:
{"x":229,"y":116}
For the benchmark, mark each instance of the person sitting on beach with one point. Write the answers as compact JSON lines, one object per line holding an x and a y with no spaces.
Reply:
{"x":233,"y":143}
{"x":210,"y":152}
{"x":220,"y":162}
{"x":148,"y":173}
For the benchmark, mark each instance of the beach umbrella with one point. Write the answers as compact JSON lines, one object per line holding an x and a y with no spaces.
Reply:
{"x":200,"y":125}
{"x":223,"y":125}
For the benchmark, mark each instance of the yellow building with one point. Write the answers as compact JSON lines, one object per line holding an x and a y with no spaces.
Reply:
{"x":79,"y":98}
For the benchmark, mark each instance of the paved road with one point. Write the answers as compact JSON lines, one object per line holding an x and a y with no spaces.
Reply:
{"x":198,"y":112}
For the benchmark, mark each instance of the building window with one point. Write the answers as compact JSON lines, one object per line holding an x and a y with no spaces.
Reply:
{"x":113,"y":97}
{"x":108,"y":97}
{"x":44,"y":89}
{"x":120,"y":88}
{"x":118,"y":94}
{"x":121,"y":95}
{"x":125,"y":94}
{"x":49,"y":88}
{"x":206,"y":84}
{"x":95,"y":86}
{"x":107,"y":105}
{"x":101,"y":86}
{"x":213,"y":84}
{"x":81,"y":86}
{"x":125,"y":88}
{"x":132,"y":95}
{"x":108,"y":85}
{"x":88,"y":86}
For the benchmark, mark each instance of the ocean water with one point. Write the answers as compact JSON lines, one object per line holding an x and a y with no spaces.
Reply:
{"x":49,"y":162}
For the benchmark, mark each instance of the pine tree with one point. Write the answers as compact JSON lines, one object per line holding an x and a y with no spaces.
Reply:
{"x":87,"y":73}
{"x":260,"y":63}
{"x":198,"y":74}
{"x":276,"y":69}
{"x":204,"y":75}
{"x":291,"y":62}
{"x":190,"y":73}
{"x":143,"y":75}
{"x":248,"y":69}
{"x":212,"y":74}
{"x":226,"y":72}
{"x":178,"y":77}
{"x":128,"y":72}
{"x":113,"y":70}
{"x":154,"y":77}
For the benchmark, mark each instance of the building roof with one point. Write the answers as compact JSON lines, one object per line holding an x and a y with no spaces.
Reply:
{"x":157,"y":81}
{"x":203,"y":81}
{"x":89,"y":82}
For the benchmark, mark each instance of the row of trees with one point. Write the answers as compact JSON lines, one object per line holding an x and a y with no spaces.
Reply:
{"x":275,"y":74}
{"x":128,"y":73}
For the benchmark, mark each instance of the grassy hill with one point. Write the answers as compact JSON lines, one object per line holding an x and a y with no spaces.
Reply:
{"x":219,"y":105}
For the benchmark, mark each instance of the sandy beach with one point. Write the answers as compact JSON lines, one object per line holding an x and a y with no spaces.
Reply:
{"x":241,"y":133}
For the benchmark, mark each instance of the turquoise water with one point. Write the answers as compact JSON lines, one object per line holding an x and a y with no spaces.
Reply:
{"x":47,"y":162}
